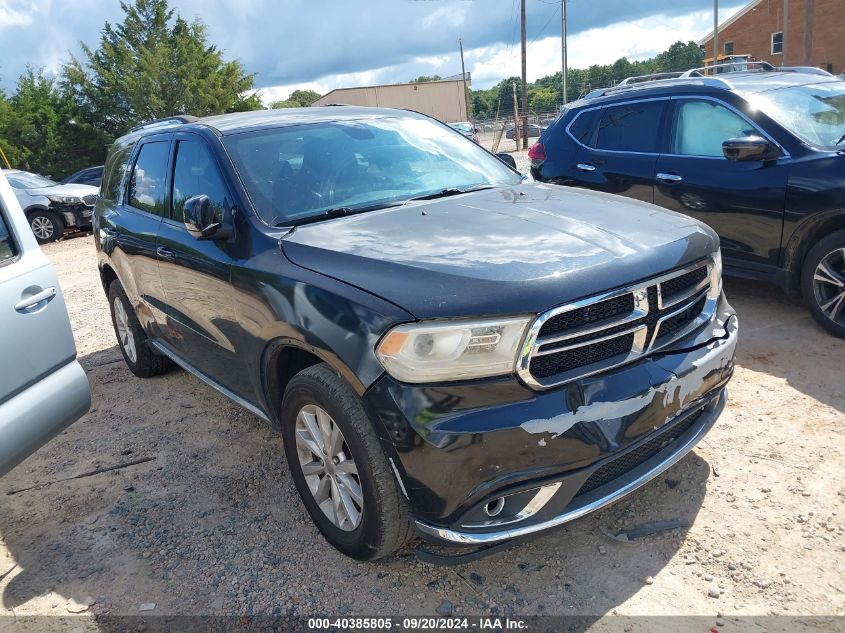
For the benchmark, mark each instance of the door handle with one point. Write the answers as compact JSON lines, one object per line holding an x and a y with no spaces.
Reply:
{"x":669,"y":177}
{"x":165,"y":253}
{"x":27,"y":303}
{"x":586,"y":167}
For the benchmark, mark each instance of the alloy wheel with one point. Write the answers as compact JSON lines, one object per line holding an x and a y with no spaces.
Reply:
{"x":124,"y":332}
{"x":42,"y":227}
{"x":330,"y":472}
{"x":829,"y":285}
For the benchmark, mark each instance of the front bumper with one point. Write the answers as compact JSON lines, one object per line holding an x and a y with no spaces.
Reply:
{"x":76,"y":215}
{"x":556,"y":454}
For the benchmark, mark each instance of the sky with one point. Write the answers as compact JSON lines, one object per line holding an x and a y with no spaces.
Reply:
{"x":327,"y":44}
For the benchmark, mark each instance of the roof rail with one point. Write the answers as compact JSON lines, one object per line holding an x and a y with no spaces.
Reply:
{"x":810,"y":70}
{"x":678,"y":78}
{"x":643,"y":78}
{"x":713,"y":69}
{"x":178,"y":119}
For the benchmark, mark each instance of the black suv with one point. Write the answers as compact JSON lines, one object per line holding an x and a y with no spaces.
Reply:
{"x":758,"y":155}
{"x":446,"y":347}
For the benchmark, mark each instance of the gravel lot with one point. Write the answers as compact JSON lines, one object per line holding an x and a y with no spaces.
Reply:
{"x":212,"y":523}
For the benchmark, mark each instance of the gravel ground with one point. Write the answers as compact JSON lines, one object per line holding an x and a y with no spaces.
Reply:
{"x":212,"y":523}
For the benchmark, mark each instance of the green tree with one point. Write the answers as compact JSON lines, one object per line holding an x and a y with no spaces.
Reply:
{"x":297,"y":99}
{"x":152,"y":65}
{"x":41,"y":130}
{"x":425,"y":78}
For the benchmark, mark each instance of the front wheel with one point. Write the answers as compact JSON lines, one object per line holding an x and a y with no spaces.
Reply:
{"x":46,"y":226}
{"x":339,"y":467}
{"x":823,"y":283}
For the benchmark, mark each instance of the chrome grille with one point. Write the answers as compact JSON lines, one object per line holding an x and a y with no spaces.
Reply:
{"x":617,"y":327}
{"x":90,"y":199}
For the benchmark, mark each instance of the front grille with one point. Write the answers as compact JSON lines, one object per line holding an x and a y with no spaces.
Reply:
{"x":679,"y":286}
{"x":551,"y":364}
{"x":679,"y":321}
{"x":90,"y":199}
{"x":593,"y":313}
{"x":596,"y":334}
{"x":625,"y":463}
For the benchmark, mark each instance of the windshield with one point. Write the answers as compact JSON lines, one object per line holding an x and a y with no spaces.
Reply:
{"x":815,"y":113}
{"x":299,"y":172}
{"x":25,"y":180}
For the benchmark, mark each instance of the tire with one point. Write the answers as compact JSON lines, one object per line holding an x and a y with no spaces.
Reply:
{"x":384,"y":523}
{"x":46,"y":226}
{"x":140,"y":358}
{"x":823,"y":283}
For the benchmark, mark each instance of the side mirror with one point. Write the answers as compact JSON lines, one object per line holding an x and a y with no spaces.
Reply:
{"x":507,"y":159}
{"x":200,"y":221}
{"x":747,"y":148}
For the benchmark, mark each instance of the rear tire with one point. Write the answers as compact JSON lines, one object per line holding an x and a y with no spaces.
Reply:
{"x":380,"y":524}
{"x":823,"y":283}
{"x":46,"y":226}
{"x":140,"y":358}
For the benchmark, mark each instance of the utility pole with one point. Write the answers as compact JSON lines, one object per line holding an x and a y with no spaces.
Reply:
{"x":715,"y":33}
{"x":524,"y":86}
{"x":464,"y":77}
{"x":516,"y":134}
{"x":785,"y":29}
{"x":563,"y":47}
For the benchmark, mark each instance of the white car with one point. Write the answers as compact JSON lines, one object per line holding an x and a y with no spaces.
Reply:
{"x":51,"y":207}
{"x":43,"y":389}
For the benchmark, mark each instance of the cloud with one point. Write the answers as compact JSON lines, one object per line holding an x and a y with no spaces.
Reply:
{"x":15,"y":13}
{"x":636,"y":39}
{"x":294,"y":43}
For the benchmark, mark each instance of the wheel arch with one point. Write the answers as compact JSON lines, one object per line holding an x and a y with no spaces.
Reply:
{"x":107,"y":276}
{"x":805,"y":236}
{"x":36,"y":207}
{"x":284,"y":358}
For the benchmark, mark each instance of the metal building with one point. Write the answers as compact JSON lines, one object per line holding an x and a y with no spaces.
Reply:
{"x":444,"y":99}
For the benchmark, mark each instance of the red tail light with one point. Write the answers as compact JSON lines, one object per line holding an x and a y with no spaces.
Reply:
{"x":537,"y":152}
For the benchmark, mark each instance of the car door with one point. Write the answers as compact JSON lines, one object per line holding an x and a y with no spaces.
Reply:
{"x":42,"y":388}
{"x":129,"y":232}
{"x":201,"y":326}
{"x":620,"y":152}
{"x":743,"y":201}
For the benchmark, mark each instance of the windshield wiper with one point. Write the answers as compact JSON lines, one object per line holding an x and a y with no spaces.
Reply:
{"x":451,"y":191}
{"x":841,"y":138}
{"x":339,"y":212}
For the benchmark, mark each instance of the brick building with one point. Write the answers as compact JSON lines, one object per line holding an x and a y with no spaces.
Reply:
{"x":814,"y":34}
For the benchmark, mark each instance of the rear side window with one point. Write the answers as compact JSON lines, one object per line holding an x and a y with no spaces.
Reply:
{"x":194,"y":174}
{"x":147,"y":187}
{"x":114,"y":171}
{"x":7,"y":247}
{"x":583,"y":126}
{"x":631,"y":127}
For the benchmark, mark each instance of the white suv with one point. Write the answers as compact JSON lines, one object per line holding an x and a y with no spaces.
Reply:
{"x":43,"y":388}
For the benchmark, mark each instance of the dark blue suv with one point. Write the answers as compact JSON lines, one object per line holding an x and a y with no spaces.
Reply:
{"x":446,"y":348}
{"x":757,"y":155}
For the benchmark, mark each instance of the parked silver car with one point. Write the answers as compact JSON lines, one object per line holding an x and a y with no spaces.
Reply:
{"x":43,"y":388}
{"x":51,"y":207}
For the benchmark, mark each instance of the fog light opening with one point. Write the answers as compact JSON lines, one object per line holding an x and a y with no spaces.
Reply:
{"x":495,"y":507}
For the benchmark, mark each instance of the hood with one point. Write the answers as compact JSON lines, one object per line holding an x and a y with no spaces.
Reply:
{"x":511,"y":250}
{"x":73,"y":189}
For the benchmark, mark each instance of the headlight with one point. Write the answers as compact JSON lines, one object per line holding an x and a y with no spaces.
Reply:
{"x":65,"y":199}
{"x":452,"y":350}
{"x":716,"y":276}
